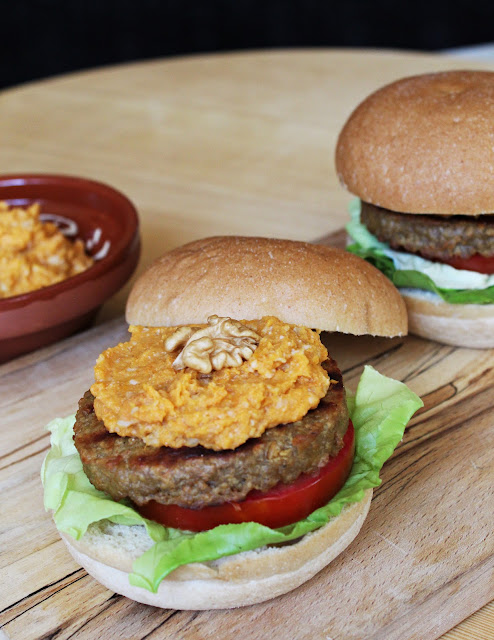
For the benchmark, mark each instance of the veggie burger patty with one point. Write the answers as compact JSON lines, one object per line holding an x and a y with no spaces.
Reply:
{"x":125,"y":467}
{"x":434,"y":236}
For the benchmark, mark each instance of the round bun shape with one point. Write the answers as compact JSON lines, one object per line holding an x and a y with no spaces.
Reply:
{"x":423,"y":144}
{"x":234,"y":581}
{"x":247,"y":278}
{"x":461,"y":325}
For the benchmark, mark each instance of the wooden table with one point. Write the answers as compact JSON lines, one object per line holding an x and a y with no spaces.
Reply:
{"x":229,"y":144}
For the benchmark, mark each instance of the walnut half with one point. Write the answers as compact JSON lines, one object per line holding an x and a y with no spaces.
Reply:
{"x":223,"y":343}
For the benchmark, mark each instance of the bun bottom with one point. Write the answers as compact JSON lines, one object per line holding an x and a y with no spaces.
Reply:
{"x":243,"y":579}
{"x":461,"y":325}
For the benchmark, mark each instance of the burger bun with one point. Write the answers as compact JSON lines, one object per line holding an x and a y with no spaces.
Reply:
{"x":461,"y":325}
{"x":423,"y":144}
{"x":247,"y":278}
{"x":107,"y":552}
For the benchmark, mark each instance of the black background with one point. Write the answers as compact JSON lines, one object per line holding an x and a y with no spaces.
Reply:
{"x":41,"y":38}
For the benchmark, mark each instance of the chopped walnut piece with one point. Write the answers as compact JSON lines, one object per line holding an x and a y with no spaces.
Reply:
{"x":223,"y":343}
{"x":178,"y":338}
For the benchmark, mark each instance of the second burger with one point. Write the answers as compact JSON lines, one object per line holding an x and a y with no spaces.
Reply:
{"x":419,"y":154}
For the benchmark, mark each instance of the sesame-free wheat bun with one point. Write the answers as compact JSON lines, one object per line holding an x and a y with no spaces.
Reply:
{"x":425,"y":145}
{"x":243,"y":277}
{"x":107,"y":552}
{"x":461,"y":325}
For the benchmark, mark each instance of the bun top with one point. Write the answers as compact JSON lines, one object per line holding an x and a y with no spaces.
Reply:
{"x":247,"y":278}
{"x":423,"y":144}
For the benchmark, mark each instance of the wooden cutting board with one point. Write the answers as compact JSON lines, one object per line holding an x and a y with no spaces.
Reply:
{"x":423,"y":561}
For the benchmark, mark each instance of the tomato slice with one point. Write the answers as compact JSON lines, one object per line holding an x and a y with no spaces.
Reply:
{"x":481,"y":264}
{"x":281,"y":505}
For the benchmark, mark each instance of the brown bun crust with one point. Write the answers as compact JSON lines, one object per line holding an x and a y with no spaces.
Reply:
{"x":423,"y":144}
{"x":461,"y":325}
{"x":235,"y":581}
{"x":247,"y":278}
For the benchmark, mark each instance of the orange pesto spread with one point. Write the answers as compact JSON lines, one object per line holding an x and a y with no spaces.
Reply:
{"x":138,"y":392}
{"x":35,"y":254}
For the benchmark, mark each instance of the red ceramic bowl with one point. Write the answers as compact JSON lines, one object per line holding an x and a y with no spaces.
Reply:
{"x":106,"y":221}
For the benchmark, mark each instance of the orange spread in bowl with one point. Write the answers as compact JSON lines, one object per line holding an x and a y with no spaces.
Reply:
{"x":35,"y":254}
{"x":138,"y":392}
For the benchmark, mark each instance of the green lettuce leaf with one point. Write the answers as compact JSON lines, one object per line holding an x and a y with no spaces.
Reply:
{"x":72,"y":498}
{"x":380,"y":410}
{"x":476,"y":288}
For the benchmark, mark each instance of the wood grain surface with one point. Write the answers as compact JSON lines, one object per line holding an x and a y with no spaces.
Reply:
{"x":243,"y":144}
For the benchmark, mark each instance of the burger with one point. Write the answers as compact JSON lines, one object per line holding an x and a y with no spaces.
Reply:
{"x":419,"y":154}
{"x":213,"y":463}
